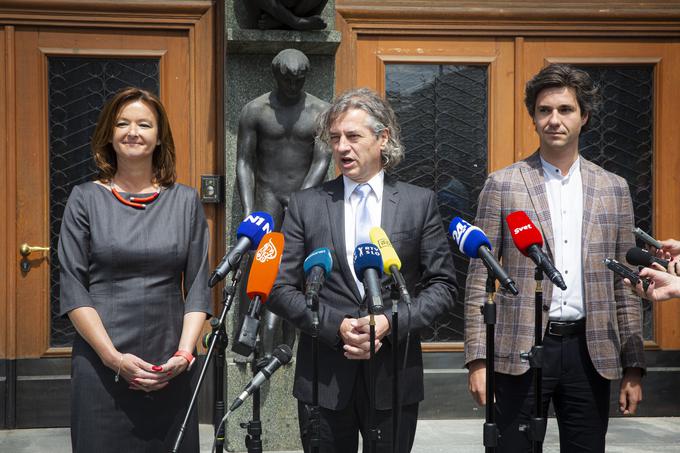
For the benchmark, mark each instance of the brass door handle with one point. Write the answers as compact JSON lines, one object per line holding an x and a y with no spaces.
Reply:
{"x":26,"y":249}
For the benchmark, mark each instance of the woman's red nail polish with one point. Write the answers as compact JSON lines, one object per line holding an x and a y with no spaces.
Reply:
{"x":157,"y":368}
{"x":169,"y":373}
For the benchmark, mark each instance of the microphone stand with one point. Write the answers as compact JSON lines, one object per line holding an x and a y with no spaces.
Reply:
{"x":489,"y":312}
{"x":373,"y":432}
{"x":254,"y":426}
{"x":314,"y":416}
{"x":394,"y":336}
{"x":218,"y":341}
{"x":538,"y":423}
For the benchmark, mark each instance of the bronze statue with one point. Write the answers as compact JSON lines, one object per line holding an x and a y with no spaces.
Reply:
{"x":277,"y":154}
{"x":295,"y":14}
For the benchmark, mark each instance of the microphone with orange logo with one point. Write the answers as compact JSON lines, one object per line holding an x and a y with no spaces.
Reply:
{"x":263,"y":272}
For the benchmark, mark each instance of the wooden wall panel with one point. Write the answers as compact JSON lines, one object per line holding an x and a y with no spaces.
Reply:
{"x":4,"y":201}
{"x":435,"y":15}
{"x":9,"y":257}
{"x":32,"y":292}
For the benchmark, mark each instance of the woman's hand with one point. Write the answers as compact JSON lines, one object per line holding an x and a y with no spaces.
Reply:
{"x":174,"y":366}
{"x":142,"y":375}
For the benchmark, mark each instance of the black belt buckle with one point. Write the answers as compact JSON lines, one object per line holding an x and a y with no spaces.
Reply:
{"x":565,"y":328}
{"x":556,"y":323}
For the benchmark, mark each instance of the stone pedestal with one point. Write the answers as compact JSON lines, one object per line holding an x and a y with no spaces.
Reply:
{"x":248,"y":75}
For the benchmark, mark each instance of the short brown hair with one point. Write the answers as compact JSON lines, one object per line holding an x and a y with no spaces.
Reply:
{"x":564,"y":75}
{"x":163,"y":163}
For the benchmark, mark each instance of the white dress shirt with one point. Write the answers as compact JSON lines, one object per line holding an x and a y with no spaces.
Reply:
{"x":374,"y":204}
{"x":565,"y":198}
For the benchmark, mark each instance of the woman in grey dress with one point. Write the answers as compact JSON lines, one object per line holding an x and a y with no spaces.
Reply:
{"x":133,"y":250}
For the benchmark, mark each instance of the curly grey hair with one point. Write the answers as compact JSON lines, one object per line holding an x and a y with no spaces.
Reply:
{"x":381,"y":118}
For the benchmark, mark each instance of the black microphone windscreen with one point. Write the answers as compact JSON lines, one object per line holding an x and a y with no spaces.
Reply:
{"x":638,"y":257}
{"x":641,"y":257}
{"x":283,"y":353}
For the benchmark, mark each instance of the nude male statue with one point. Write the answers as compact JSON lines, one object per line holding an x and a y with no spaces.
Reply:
{"x":295,"y":14}
{"x":277,"y":154}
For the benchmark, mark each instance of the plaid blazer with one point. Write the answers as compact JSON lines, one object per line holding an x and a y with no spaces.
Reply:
{"x":613,"y":314}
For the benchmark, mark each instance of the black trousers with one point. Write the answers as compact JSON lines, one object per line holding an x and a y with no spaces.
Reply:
{"x":339,"y":430}
{"x":579,"y":394}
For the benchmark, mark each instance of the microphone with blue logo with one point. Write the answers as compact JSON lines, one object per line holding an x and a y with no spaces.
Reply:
{"x":368,"y":265}
{"x":249,"y":234}
{"x":473,"y":242}
{"x":317,"y":267}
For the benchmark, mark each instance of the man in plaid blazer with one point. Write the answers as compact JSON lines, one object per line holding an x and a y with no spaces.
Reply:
{"x":593,"y":330}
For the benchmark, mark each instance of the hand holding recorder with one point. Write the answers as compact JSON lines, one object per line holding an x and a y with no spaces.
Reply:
{"x":626,"y":272}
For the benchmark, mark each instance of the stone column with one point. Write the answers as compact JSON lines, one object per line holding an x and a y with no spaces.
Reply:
{"x":249,"y":53}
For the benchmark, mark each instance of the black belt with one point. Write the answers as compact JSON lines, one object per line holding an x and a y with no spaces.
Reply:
{"x":566,"y":328}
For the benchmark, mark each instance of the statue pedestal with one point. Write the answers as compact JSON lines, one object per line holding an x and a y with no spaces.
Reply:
{"x":249,"y":53}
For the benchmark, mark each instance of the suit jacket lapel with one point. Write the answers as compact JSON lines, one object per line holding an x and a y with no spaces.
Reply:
{"x":533,"y":178}
{"x":590,"y":206}
{"x":390,"y":202}
{"x":336,"y":214}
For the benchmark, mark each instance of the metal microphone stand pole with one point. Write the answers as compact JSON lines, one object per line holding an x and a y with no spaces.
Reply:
{"x":314,"y":416}
{"x":538,"y":423}
{"x":218,"y":341}
{"x":373,"y":432}
{"x":254,"y":426}
{"x":489,"y":312}
{"x":394,"y":336}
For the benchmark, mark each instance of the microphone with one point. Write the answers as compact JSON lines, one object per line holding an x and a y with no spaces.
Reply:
{"x":641,"y":257}
{"x":368,"y":266}
{"x":529,"y":241}
{"x":263,"y":272}
{"x":249,"y":235}
{"x":317,"y":267}
{"x":473,"y":242}
{"x":280,"y":356}
{"x":391,"y":261}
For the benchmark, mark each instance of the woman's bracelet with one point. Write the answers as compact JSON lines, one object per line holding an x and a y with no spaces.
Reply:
{"x":117,"y":378}
{"x":186,"y":355}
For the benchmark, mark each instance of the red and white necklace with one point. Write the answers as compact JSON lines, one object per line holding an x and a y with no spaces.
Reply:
{"x":134,"y":202}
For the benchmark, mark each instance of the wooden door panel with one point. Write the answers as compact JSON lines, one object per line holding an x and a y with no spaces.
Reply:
{"x":510,"y":131}
{"x":664,"y":59}
{"x":451,"y":97}
{"x":374,"y":52}
{"x":34,"y":47}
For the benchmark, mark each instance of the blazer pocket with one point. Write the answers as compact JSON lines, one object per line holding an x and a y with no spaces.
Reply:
{"x":404,"y":235}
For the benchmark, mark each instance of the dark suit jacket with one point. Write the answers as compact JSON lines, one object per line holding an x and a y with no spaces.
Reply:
{"x":613,"y":313}
{"x":315,"y":219}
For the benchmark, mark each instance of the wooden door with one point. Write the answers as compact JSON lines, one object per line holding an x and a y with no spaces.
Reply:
{"x":60,"y":78}
{"x":451,"y":97}
{"x":637,"y":138}
{"x":638,"y":141}
{"x":46,"y":151}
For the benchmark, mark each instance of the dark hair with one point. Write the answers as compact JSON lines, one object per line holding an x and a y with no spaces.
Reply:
{"x":381,"y":117}
{"x":564,"y":75}
{"x":290,"y":61}
{"x":163,"y":163}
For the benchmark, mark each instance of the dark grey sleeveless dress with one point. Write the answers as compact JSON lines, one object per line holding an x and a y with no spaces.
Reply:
{"x":128,"y":264}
